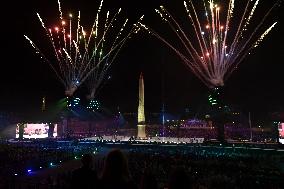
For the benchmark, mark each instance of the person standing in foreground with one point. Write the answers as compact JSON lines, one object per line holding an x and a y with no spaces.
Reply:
{"x":85,"y":177}
{"x":116,"y":173}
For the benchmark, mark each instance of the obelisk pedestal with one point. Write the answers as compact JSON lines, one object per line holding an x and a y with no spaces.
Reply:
{"x":141,"y":131}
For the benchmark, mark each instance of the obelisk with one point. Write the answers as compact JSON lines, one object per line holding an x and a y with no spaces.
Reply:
{"x":141,"y":116}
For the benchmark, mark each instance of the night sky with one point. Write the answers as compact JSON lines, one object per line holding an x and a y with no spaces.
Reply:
{"x":257,"y":85}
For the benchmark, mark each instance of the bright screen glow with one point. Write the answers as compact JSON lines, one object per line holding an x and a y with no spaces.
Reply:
{"x":281,"y":132}
{"x":36,"y":130}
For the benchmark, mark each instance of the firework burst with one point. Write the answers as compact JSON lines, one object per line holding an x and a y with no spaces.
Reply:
{"x":218,"y":44}
{"x":81,"y":54}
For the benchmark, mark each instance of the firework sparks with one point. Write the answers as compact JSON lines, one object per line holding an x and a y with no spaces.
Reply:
{"x":218,"y":46}
{"x":81,"y":54}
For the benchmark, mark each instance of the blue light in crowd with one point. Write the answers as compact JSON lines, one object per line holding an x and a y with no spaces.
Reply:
{"x":29,"y":170}
{"x":15,"y":174}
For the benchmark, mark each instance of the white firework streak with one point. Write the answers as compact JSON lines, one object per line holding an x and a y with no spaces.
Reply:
{"x":216,"y":49}
{"x":80,"y":55}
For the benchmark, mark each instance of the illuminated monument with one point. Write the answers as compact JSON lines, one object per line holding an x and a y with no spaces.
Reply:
{"x":141,"y":116}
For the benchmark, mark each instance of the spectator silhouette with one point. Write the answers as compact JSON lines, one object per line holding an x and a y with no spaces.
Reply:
{"x":85,"y":177}
{"x":179,"y":179}
{"x":148,"y":180}
{"x":116,"y":173}
{"x":223,"y":182}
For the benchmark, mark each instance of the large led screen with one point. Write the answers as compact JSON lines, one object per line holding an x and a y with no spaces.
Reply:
{"x":281,"y":132}
{"x":38,"y":130}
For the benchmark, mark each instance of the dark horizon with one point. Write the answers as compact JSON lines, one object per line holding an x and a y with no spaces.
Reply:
{"x":256,"y":86}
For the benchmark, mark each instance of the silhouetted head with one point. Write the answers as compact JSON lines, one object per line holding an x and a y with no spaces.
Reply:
{"x":87,"y":160}
{"x":116,"y":165}
{"x":148,"y":180}
{"x":221,"y":182}
{"x":179,"y":179}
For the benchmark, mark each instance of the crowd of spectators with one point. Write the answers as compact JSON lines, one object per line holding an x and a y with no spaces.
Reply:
{"x":148,"y":166}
